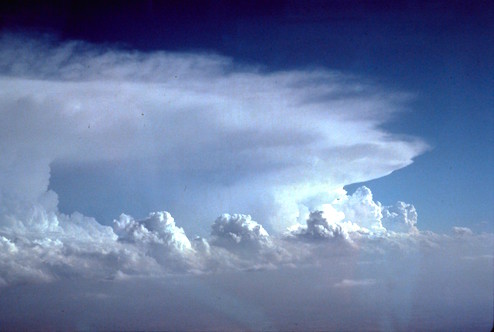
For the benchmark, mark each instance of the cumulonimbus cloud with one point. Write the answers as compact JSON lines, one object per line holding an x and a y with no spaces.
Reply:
{"x":296,"y":136}
{"x":282,"y":143}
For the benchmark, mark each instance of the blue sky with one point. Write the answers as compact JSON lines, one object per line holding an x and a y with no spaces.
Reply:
{"x":438,"y":52}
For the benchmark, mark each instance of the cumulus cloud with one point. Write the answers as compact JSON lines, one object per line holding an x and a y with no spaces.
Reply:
{"x":158,"y":238}
{"x":78,"y":246}
{"x":317,"y":227}
{"x":158,"y":227}
{"x":401,"y":217}
{"x":239,"y":230}
{"x":356,"y":215}
{"x":239,"y":243}
{"x":360,"y":208}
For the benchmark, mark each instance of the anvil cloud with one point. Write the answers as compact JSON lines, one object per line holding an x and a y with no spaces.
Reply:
{"x":266,"y":155}
{"x":295,"y":136}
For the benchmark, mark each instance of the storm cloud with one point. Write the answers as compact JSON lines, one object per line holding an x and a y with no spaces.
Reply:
{"x":294,"y":136}
{"x":266,"y":155}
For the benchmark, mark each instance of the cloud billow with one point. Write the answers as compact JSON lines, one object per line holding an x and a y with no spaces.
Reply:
{"x":239,"y":230}
{"x":158,"y":227}
{"x":401,"y":217}
{"x":48,"y":245}
{"x":318,"y":227}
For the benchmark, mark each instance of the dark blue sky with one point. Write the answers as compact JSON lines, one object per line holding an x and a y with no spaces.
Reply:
{"x":441,"y":52}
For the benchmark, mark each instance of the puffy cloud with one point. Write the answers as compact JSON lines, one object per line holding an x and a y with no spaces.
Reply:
{"x":47,"y":245}
{"x":38,"y":243}
{"x":401,"y":217}
{"x":158,"y":227}
{"x":158,"y":238}
{"x":237,"y":242}
{"x":361,"y":209}
{"x":462,"y":231}
{"x":356,"y":215}
{"x":239,"y":230}
{"x":318,"y":227}
{"x":51,"y":245}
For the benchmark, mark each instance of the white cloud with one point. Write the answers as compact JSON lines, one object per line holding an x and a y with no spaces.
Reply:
{"x":462,"y":231}
{"x":279,"y":133}
{"x":356,"y":215}
{"x":77,"y":246}
{"x":158,"y":227}
{"x":281,"y":144}
{"x":317,"y":228}
{"x":361,"y":209}
{"x":239,"y":230}
{"x":401,"y":217}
